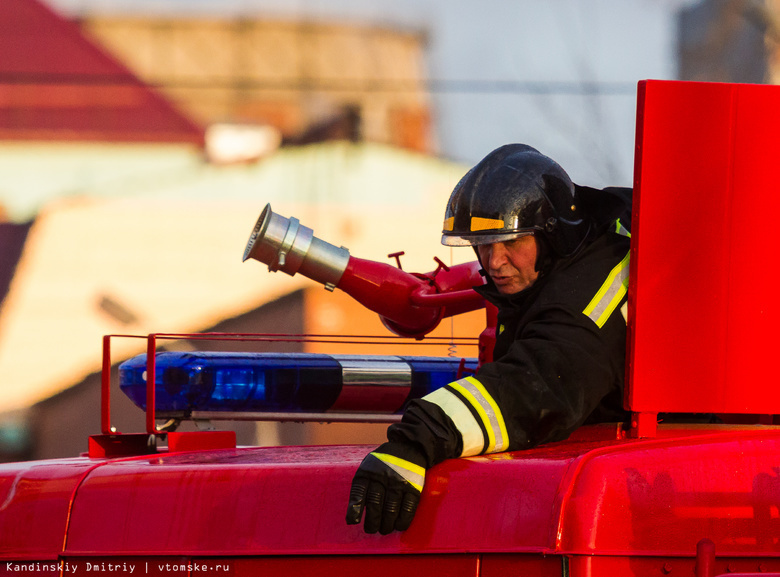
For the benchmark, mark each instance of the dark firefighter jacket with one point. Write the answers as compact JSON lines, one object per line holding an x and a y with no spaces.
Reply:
{"x":559,"y":359}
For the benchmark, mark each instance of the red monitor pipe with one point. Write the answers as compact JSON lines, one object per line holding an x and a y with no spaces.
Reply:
{"x":410,"y":305}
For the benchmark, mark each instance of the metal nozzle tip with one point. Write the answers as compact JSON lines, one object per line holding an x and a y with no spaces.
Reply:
{"x":257,"y":232}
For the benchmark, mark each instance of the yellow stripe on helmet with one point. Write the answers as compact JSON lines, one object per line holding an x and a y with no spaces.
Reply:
{"x":479,"y":223}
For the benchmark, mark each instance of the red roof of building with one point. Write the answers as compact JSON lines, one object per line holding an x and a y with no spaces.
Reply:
{"x":55,"y":84}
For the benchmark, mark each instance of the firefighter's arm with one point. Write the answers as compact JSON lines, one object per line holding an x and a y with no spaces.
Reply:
{"x":546,"y":385}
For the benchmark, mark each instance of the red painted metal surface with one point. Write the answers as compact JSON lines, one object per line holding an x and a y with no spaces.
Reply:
{"x":637,"y":565}
{"x":577,"y":497}
{"x":362,"y":398}
{"x":154,"y":566}
{"x":464,"y":565}
{"x":526,"y":565}
{"x":412,"y":305}
{"x":705,"y":558}
{"x":35,"y":502}
{"x":457,"y":565}
{"x":662,"y":496}
{"x":597,"y":504}
{"x":759,"y":573}
{"x":151,"y":383}
{"x":291,"y":501}
{"x":120,"y":445}
{"x":105,"y":387}
{"x":57,"y":84}
{"x":703,"y":280}
{"x":201,"y":440}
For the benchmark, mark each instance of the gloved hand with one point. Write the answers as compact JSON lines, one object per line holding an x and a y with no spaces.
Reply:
{"x":387,"y":484}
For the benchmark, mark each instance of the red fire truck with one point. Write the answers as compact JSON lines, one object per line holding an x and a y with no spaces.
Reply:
{"x":643,"y":498}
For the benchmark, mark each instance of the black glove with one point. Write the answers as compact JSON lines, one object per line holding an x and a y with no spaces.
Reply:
{"x":387,"y":484}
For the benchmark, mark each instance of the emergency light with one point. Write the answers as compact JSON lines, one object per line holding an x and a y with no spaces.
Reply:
{"x":188,"y":382}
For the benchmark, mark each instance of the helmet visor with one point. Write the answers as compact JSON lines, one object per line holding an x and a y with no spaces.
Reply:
{"x":476,"y":239}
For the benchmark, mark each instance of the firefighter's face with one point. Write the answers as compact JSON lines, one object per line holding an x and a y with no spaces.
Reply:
{"x":511,"y":264}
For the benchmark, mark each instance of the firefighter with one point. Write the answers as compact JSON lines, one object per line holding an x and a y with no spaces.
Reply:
{"x":555,"y":259}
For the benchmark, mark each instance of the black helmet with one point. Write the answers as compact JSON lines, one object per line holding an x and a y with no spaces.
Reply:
{"x":515,"y":191}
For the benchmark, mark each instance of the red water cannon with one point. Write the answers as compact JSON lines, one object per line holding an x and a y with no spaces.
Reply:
{"x":409,"y":304}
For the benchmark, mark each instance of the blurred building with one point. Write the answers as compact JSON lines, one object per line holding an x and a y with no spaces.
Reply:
{"x":729,"y":41}
{"x":310,"y":80}
{"x":560,"y":75}
{"x":165,"y":256}
{"x":57,"y":85}
{"x":136,"y":152}
{"x":118,"y":223}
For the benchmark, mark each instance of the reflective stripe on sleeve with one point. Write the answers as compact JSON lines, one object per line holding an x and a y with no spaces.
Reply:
{"x":470,"y":431}
{"x":610,"y":294}
{"x":488,"y":411}
{"x":413,"y":474}
{"x":480,"y":402}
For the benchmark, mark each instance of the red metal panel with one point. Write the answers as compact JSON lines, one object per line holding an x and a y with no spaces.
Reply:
{"x":39,"y":568}
{"x":627,"y":565}
{"x":201,"y":440}
{"x":705,"y":312}
{"x":662,"y":497}
{"x":120,"y":445}
{"x":146,"y":565}
{"x":374,"y":566}
{"x":291,"y":501}
{"x":576,"y":498}
{"x":34,"y":505}
{"x":525,"y":565}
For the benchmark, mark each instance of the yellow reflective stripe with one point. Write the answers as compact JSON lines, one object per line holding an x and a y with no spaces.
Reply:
{"x":414,"y":474}
{"x":610,"y":294}
{"x":488,"y":411}
{"x":479,"y":223}
{"x":621,"y":230}
{"x":470,"y":431}
{"x":449,"y":223}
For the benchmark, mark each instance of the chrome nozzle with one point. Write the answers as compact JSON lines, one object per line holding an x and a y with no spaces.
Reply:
{"x":285,"y":244}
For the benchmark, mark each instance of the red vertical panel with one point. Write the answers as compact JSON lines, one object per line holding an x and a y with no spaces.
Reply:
{"x":702,"y":294}
{"x":754,"y":304}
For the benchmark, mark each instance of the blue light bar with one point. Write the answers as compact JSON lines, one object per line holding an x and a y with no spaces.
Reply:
{"x":286,"y":382}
